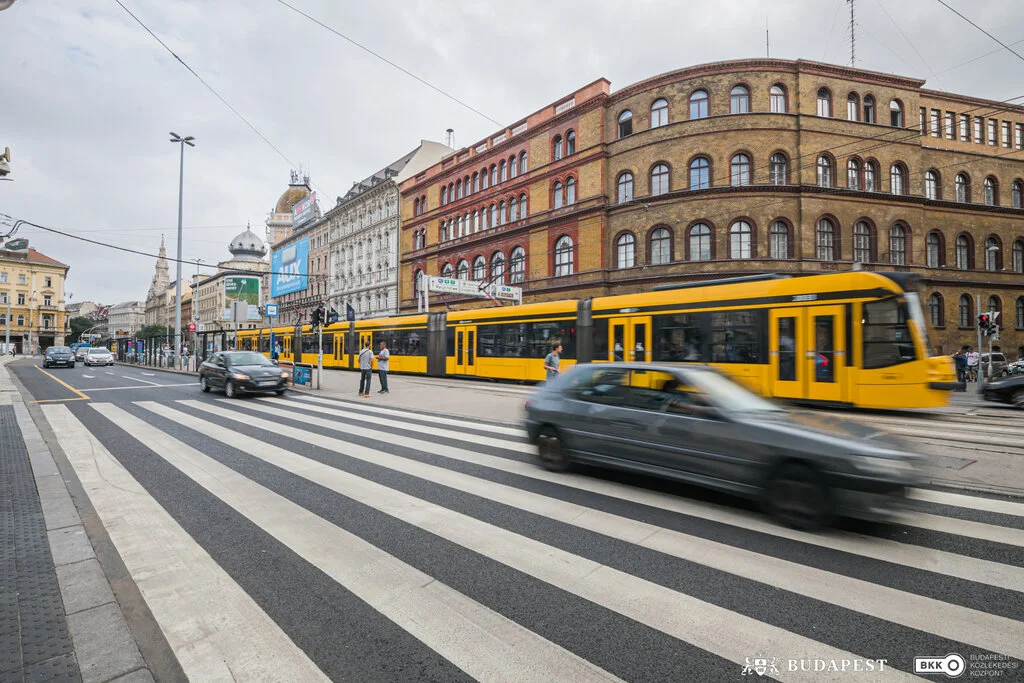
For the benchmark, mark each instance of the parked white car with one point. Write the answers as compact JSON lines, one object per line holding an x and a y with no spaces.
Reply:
{"x":97,"y":355}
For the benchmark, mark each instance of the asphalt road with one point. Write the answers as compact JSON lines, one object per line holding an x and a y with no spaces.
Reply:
{"x":308,"y":539}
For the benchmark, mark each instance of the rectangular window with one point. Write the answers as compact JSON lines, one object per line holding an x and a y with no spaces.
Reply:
{"x":992,"y":132}
{"x":887,"y":339}
{"x":923,"y":121}
{"x":680,"y":337}
{"x":950,"y":118}
{"x":936,"y":131}
{"x":739,"y":336}
{"x":49,"y":281}
{"x":787,"y":349}
{"x":47,"y":300}
{"x":979,"y":134}
{"x":1006,"y":133}
{"x":21,"y":299}
{"x":1019,"y":135}
{"x":3,"y":278}
{"x":965,"y":128}
{"x":22,"y":279}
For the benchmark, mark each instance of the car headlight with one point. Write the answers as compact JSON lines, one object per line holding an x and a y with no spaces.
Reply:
{"x":284,"y":375}
{"x":872,"y":464}
{"x":240,"y":376}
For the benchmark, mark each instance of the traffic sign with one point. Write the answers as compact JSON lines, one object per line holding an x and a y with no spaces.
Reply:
{"x":191,"y":327}
{"x":271,"y":310}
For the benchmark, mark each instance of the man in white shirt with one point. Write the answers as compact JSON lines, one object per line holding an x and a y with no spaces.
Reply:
{"x":382,"y":367}
{"x":973,"y":358}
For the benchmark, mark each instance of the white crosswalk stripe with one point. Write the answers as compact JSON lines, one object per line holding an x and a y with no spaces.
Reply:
{"x":213,"y":625}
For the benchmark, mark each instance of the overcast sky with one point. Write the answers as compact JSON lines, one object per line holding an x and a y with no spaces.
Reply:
{"x":87,"y":96}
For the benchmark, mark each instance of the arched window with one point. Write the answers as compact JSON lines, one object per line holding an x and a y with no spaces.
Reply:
{"x":853,"y":174}
{"x":964,"y":255}
{"x":824,"y":240}
{"x":570,"y":191}
{"x":522,"y":206}
{"x":778,"y":240}
{"x":476,"y":181}
{"x":700,"y":242}
{"x":991,"y":191}
{"x":659,"y":113}
{"x":778,"y":169}
{"x":625,"y":123}
{"x":483,"y":178}
{"x":700,"y":174}
{"x":699,"y":104}
{"x":869,"y":109}
{"x":870,"y":176}
{"x":778,"y":99}
{"x":462,"y":271}
{"x":522,"y":162}
{"x":898,"y":245}
{"x":625,"y":251}
{"x":1020,"y":312}
{"x":935,"y":254}
{"x":458,"y":189}
{"x":937,"y":309}
{"x":564,"y":261}
{"x":498,"y":268}
{"x":824,"y":171}
{"x":739,"y":100}
{"x":740,"y":170}
{"x":995,"y":304}
{"x":460,"y":230}
{"x":1017,"y":194}
{"x":444,"y":195}
{"x":863,"y":250}
{"x":447,"y":271}
{"x":895,"y":114}
{"x":483,"y":218}
{"x":963,"y":187}
{"x":513,"y":165}
{"x":517,"y":263}
{"x":661,"y":247}
{"x":993,"y":254}
{"x":417,"y":283}
{"x":931,"y":185}
{"x":479,"y":268}
{"x":494,"y":175}
{"x":898,"y":178}
{"x":558,"y":147}
{"x":965,"y":310}
{"x":476,"y":221}
{"x":659,"y":179}
{"x":557,"y":194}
{"x":853,"y":107}
{"x":824,"y":102}
{"x":501,"y":213}
{"x":513,"y":209}
{"x":570,"y":143}
{"x":625,"y":187}
{"x":416,"y":207}
{"x":741,"y":241}
{"x":494,"y":216}
{"x":21,"y":321}
{"x":503,"y":167}
{"x":1018,"y":256}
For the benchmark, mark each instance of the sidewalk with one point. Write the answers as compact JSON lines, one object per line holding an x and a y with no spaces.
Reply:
{"x":58,"y":617}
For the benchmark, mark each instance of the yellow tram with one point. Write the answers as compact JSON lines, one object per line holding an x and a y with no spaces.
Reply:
{"x":856,"y":338}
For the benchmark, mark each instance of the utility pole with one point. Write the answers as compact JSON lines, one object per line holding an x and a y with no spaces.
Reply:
{"x":981,"y":374}
{"x":7,"y":331}
{"x":853,"y":37}
{"x":181,"y":141}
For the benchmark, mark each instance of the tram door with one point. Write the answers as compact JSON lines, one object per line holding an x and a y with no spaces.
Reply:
{"x":808,"y":354}
{"x":339,"y":347}
{"x":286,"y":348}
{"x":363,"y":338}
{"x":465,"y":350}
{"x":630,"y":340}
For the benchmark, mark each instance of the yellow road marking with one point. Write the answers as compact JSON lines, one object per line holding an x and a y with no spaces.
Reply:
{"x":63,"y":384}
{"x":60,"y":400}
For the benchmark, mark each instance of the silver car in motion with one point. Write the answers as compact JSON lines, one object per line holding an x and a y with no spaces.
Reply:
{"x":694,"y":424}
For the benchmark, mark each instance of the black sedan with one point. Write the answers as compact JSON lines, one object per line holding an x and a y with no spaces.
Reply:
{"x":238,"y":372}
{"x":59,"y":355}
{"x":696,"y":425}
{"x":1009,"y":390}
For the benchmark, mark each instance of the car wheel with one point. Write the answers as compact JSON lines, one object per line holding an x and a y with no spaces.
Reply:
{"x":551,"y":451}
{"x":203,"y":384}
{"x":1018,"y":398}
{"x":798,"y":497}
{"x":229,"y":389}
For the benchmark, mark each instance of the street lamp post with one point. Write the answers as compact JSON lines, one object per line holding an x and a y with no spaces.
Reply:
{"x":181,"y":141}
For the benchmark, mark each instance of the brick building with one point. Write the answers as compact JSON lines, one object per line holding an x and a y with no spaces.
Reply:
{"x":751,"y":166}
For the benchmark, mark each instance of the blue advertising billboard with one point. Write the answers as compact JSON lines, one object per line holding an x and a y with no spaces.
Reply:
{"x":290,"y":268}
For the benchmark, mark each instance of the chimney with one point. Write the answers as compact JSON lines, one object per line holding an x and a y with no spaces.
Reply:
{"x":450,"y":139}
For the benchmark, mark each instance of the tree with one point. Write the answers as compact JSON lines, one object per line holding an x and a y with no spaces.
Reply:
{"x":78,"y":326}
{"x":152,"y":332}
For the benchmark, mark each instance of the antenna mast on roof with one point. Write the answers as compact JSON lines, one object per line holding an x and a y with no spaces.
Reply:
{"x":450,"y":138}
{"x":767,"y":42}
{"x":853,"y":37}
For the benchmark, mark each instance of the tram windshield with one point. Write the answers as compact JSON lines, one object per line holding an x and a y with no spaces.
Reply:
{"x":886,"y":329}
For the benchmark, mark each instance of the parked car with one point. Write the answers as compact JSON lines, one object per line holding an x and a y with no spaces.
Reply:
{"x":58,"y":355}
{"x":694,"y":424}
{"x":999,"y":365}
{"x":80,"y":351}
{"x":1007,"y":390}
{"x":238,"y":372}
{"x":97,"y":355}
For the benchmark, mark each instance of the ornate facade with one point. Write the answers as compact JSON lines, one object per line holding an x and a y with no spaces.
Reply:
{"x":33,"y":284}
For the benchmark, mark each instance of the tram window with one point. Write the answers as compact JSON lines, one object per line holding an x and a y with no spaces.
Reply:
{"x":309,"y":343}
{"x":265,"y":344}
{"x":887,"y":339}
{"x":449,"y":346}
{"x":787,"y":349}
{"x":680,"y":337}
{"x":545,"y":336}
{"x":489,"y":341}
{"x":600,"y":334}
{"x":620,"y":343}
{"x":824,"y":349}
{"x":738,"y":336}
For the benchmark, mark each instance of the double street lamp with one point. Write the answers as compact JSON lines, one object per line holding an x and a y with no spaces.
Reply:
{"x":177,"y":294}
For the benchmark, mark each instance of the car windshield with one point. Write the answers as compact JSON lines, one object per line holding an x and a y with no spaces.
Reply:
{"x":248,"y":358}
{"x":59,"y":349}
{"x":98,"y":352}
{"x":728,"y":395}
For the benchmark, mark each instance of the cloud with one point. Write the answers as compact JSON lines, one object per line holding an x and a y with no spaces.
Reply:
{"x":89,"y":97}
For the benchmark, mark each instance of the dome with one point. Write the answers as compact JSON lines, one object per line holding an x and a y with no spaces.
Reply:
{"x":292,"y":196}
{"x":247,"y":247}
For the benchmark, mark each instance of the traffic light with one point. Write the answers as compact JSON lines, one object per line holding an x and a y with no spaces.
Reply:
{"x":332,"y":316}
{"x":987,"y":324}
{"x":314,"y":318}
{"x":983,"y":323}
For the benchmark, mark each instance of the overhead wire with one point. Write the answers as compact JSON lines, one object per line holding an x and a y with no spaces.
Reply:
{"x":1004,"y":45}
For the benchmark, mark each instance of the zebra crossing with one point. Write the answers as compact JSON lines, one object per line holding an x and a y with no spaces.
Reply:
{"x":308,"y":538}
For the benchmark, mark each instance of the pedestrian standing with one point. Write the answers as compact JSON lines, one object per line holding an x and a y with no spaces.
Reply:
{"x":551,"y":363}
{"x":365,"y":369}
{"x":382,"y":367}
